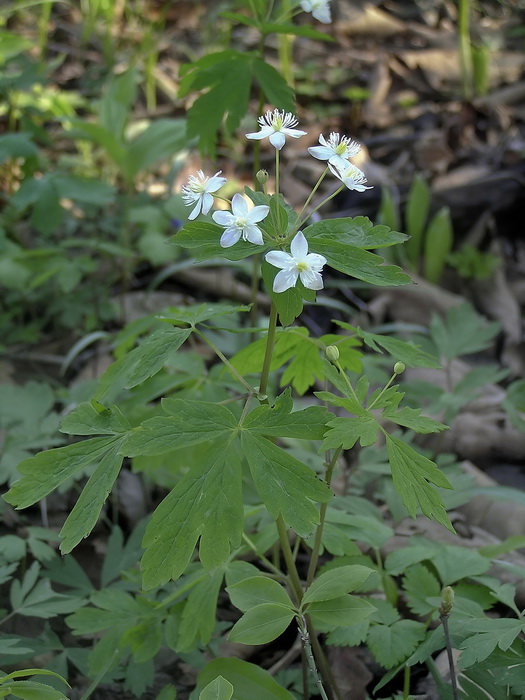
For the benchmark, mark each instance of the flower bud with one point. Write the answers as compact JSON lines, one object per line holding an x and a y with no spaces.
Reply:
{"x":262,"y":176}
{"x":399,"y":368}
{"x":332,"y":353}
{"x":447,"y":600}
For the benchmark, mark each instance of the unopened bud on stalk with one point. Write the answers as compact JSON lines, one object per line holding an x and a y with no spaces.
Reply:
{"x":447,"y":600}
{"x":399,"y":368}
{"x":332,"y":353}
{"x":262,"y":176}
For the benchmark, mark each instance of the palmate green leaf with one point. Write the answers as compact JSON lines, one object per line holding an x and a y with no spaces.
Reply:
{"x":355,"y":262}
{"x":345,"y":432}
{"x":188,"y":423}
{"x":391,"y":644}
{"x":273,"y":85}
{"x":455,"y":563}
{"x":86,"y":511}
{"x":279,"y":421}
{"x":463,"y":331}
{"x":202,"y":312}
{"x":412,"y":418}
{"x":144,"y":639}
{"x":202,"y":238}
{"x":85,"y":419}
{"x":488,"y":634}
{"x":261,"y":624}
{"x":250,"y":681}
{"x":200,"y":613}
{"x":141,"y":363}
{"x":48,"y":470}
{"x":206,"y":503}
{"x":336,"y":582}
{"x":286,"y":486}
{"x":256,"y":590}
{"x":160,"y":140}
{"x":226,"y":102}
{"x":409,"y":353}
{"x":359,"y":232}
{"x":218,"y":689}
{"x":419,"y":583}
{"x":413,"y":475}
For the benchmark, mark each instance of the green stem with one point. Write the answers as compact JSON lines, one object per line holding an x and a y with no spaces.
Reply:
{"x":316,"y":187}
{"x":224,"y":359}
{"x":254,"y":291}
{"x":450,"y":657}
{"x":270,"y":341}
{"x":285,"y":42}
{"x":305,"y":638}
{"x":321,"y":204}
{"x":288,"y":558}
{"x":264,"y":559}
{"x":322,"y":516}
{"x":347,"y":381}
{"x":465,"y":48}
{"x":382,"y":391}
{"x":277,"y":184}
{"x":322,"y":662}
{"x":406,"y":683}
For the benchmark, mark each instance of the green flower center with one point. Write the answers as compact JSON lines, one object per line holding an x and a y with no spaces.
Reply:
{"x":340,"y":149}
{"x":302,"y":266}
{"x":241,"y":222}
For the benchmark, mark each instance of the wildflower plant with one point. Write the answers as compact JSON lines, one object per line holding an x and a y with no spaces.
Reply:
{"x":240,"y":490}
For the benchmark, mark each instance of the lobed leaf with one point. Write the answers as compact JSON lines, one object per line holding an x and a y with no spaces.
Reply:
{"x":286,"y":486}
{"x":206,"y":503}
{"x":412,"y":475}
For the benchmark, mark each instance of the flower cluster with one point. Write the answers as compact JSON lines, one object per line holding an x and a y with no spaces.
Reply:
{"x":241,"y":221}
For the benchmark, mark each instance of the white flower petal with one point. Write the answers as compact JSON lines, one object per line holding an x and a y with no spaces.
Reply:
{"x":215,"y":182}
{"x":207,"y":202}
{"x":285,"y":279}
{"x":311,"y":279}
{"x":258,"y":213}
{"x":339,"y":162}
{"x":321,"y":152}
{"x":253,"y":234}
{"x":223,"y":218}
{"x":315,"y":261}
{"x":230,"y":237}
{"x":299,"y":247}
{"x":256,"y":135}
{"x":195,"y":211}
{"x":294,"y":133}
{"x":278,"y":139}
{"x":279,"y":259}
{"x":239,"y":205}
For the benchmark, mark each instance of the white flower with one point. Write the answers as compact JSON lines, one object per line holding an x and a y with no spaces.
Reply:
{"x":300,"y":263}
{"x":351,"y":176}
{"x":336,"y":151}
{"x":197,"y":192}
{"x":241,"y":222}
{"x":277,"y":125}
{"x":320,"y":9}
